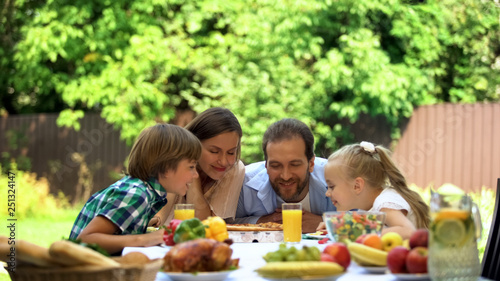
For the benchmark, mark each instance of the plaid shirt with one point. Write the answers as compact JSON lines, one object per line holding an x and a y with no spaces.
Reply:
{"x":129,"y":203}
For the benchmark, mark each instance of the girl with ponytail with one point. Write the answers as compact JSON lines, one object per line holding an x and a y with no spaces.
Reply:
{"x":363,"y":176}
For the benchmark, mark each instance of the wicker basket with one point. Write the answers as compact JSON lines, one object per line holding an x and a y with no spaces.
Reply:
{"x":145,"y":272}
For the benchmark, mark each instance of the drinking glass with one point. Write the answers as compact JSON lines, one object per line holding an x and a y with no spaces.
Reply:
{"x":183,"y":211}
{"x":453,"y":253}
{"x":292,"y":222}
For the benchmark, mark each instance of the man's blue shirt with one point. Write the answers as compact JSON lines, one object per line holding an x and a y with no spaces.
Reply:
{"x":257,"y":197}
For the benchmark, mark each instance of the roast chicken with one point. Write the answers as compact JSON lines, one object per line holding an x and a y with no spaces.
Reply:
{"x":199,"y":255}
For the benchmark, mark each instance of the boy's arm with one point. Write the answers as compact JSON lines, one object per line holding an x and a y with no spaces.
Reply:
{"x":160,"y":217}
{"x":102,"y":231}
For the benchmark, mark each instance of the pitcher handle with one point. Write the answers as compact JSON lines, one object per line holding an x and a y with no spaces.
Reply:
{"x":476,"y":215}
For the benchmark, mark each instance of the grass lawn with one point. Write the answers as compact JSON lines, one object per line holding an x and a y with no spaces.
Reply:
{"x":4,"y":276}
{"x":42,"y":231}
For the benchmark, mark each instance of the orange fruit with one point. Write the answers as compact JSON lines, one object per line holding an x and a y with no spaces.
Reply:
{"x":373,"y":240}
{"x":451,"y":214}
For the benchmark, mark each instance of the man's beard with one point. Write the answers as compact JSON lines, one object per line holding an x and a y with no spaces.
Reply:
{"x":301,"y":185}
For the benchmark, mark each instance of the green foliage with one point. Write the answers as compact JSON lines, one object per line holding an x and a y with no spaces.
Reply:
{"x":485,"y":200}
{"x":32,"y":197}
{"x":4,"y":276}
{"x":137,"y":62}
{"x":16,"y":142}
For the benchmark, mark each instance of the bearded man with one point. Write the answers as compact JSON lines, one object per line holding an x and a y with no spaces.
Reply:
{"x":290,"y":174}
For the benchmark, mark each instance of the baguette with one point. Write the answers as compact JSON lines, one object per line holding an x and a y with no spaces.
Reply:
{"x":4,"y":249}
{"x":72,"y":254}
{"x":34,"y":254}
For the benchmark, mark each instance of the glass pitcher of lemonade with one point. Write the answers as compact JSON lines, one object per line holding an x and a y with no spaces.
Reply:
{"x":453,"y":253}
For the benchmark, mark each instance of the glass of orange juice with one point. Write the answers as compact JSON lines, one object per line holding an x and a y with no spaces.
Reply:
{"x":183,"y":211}
{"x":292,"y":222}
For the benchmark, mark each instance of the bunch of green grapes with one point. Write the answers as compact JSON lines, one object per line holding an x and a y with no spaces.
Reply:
{"x":285,"y":253}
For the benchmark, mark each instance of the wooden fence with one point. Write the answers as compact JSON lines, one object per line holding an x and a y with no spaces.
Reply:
{"x":74,"y":162}
{"x":452,"y":143}
{"x":446,"y":143}
{"x":77,"y":163}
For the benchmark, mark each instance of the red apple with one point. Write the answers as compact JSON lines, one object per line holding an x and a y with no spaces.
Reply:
{"x":419,"y":238}
{"x":326,"y":257}
{"x":416,"y":261}
{"x":339,"y":252}
{"x":396,"y":259}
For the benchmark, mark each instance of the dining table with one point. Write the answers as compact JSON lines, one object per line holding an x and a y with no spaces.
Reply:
{"x":250,"y":257}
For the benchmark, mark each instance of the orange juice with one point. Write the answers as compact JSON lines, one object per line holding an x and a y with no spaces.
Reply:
{"x":184,"y":214}
{"x":183,"y":211}
{"x":292,"y":225}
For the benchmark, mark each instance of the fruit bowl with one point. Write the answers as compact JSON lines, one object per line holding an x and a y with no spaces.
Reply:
{"x":349,"y":225}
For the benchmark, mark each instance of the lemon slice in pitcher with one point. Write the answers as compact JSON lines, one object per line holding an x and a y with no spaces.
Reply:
{"x":450,"y":231}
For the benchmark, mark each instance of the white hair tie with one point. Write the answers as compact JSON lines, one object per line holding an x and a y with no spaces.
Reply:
{"x":368,"y":147}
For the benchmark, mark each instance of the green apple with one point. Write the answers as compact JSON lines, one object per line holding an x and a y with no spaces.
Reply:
{"x":391,"y":240}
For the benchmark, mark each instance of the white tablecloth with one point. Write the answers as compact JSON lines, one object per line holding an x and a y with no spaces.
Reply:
{"x":250,"y":255}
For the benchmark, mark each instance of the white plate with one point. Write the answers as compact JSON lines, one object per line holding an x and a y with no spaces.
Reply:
{"x":315,"y":236}
{"x":409,"y":276}
{"x":200,"y":276}
{"x":375,"y":269}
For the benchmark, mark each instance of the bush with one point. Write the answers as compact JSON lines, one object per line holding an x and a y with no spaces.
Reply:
{"x":485,"y":200}
{"x":32,"y":196}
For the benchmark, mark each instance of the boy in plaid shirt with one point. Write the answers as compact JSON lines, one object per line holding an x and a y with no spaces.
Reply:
{"x":162,"y":159}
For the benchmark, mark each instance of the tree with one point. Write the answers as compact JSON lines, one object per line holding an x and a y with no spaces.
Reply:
{"x":137,"y":62}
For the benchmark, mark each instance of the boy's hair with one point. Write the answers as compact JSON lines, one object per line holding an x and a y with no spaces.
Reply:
{"x":160,"y":148}
{"x":376,"y":169}
{"x":287,"y":129}
{"x":213,"y":122}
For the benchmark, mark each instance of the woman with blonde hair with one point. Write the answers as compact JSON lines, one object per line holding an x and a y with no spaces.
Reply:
{"x":363,"y":176}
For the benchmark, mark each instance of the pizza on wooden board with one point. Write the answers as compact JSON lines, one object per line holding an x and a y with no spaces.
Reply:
{"x":266,"y":226}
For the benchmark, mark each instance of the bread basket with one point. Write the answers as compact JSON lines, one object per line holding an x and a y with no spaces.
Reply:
{"x":126,"y":272}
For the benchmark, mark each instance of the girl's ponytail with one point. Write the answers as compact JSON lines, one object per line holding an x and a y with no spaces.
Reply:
{"x":398,"y":182}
